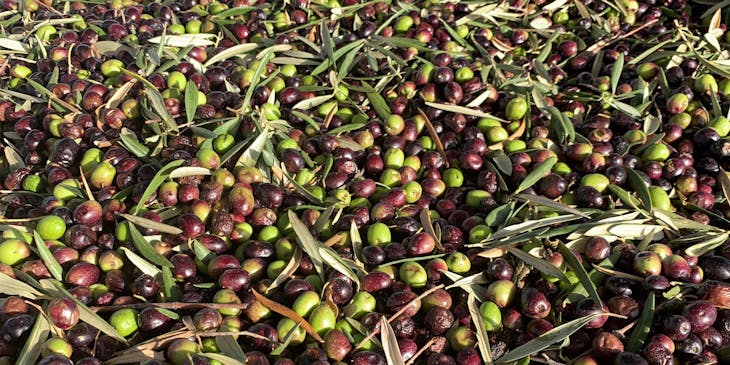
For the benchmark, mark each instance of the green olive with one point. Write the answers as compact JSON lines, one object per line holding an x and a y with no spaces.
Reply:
{"x":13,"y":251}
{"x":502,"y":292}
{"x":403,"y":23}
{"x":34,"y":183}
{"x":112,"y":67}
{"x":305,"y":303}
{"x":598,"y":181}
{"x":474,"y":198}
{"x":322,"y":319}
{"x":287,"y":327}
{"x":103,"y":175}
{"x":491,"y":316}
{"x":125,"y":321}
{"x":394,"y":158}
{"x":496,"y":134}
{"x":413,"y":190}
{"x":62,"y":193}
{"x":660,"y":198}
{"x":270,"y":111}
{"x":378,"y":234}
{"x":56,"y":346}
{"x":458,"y":263}
{"x":516,"y":109}
{"x":658,"y":152}
{"x":51,"y":227}
{"x":453,"y":178}
{"x":362,"y":303}
{"x":227,"y":296}
{"x":479,"y":233}
{"x":413,"y":274}
{"x":721,"y":125}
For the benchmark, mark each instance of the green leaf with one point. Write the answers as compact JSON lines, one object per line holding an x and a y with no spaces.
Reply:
{"x":643,"y":326}
{"x":334,"y":260}
{"x":706,"y":246}
{"x":130,"y":143}
{"x":482,"y":336}
{"x":307,"y":242}
{"x":169,"y":289}
{"x":38,"y":335}
{"x":379,"y":105}
{"x":158,"y":104}
{"x":146,"y":249}
{"x":390,"y":343}
{"x":541,"y":200}
{"x":150,"y":224}
{"x":580,"y":272}
{"x":143,"y":265}
{"x":12,"y":286}
{"x":618,"y":67}
{"x":536,"y":174}
{"x":55,"y":288}
{"x":156,"y":181}
{"x":498,"y":216}
{"x":538,"y":263}
{"x":222,"y":358}
{"x":191,"y":101}
{"x":48,"y":259}
{"x":327,"y":62}
{"x":548,"y":338}
{"x":639,"y":185}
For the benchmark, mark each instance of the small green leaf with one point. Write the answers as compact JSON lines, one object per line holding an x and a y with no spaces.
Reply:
{"x":536,"y":174}
{"x":130,"y":143}
{"x":150,"y":224}
{"x":543,"y":201}
{"x":307,"y":242}
{"x":159,"y":178}
{"x":48,"y":259}
{"x":580,"y":272}
{"x":643,"y":326}
{"x":38,"y":335}
{"x":639,"y":185}
{"x":548,"y":338}
{"x":169,"y":289}
{"x":191,"y":101}
{"x":139,"y":262}
{"x":618,"y":67}
{"x":379,"y":105}
{"x":538,"y":263}
{"x":146,"y":249}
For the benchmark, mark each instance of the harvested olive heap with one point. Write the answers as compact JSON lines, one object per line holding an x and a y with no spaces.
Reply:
{"x":364,"y":182}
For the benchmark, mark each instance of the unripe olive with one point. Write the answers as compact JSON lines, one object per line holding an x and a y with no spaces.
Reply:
{"x":413,"y":274}
{"x":125,"y":321}
{"x":322,"y":319}
{"x":516,"y":109}
{"x":491,"y":316}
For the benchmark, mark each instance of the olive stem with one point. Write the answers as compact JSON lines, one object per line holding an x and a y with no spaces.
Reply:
{"x":170,"y":305}
{"x":398,"y":313}
{"x":421,"y":351}
{"x":617,"y":273}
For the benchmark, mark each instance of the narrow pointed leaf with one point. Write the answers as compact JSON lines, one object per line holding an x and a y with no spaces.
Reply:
{"x":288,"y":313}
{"x":580,"y":272}
{"x":538,"y":263}
{"x":390,"y":343}
{"x":643,"y":326}
{"x":159,"y":178}
{"x":548,"y":338}
{"x":48,"y":259}
{"x":146,"y":249}
{"x":143,"y":265}
{"x":307,"y":242}
{"x":482,"y":336}
{"x":38,"y":335}
{"x":150,"y":224}
{"x":12,"y":286}
{"x":536,"y":174}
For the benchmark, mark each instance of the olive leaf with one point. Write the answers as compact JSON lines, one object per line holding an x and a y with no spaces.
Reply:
{"x":390,"y":343}
{"x":580,"y":272}
{"x":639,"y":185}
{"x":548,"y":338}
{"x":229,"y":346}
{"x":139,"y":262}
{"x":643,"y":326}
{"x":463,"y":110}
{"x":32,"y":348}
{"x":536,"y":174}
{"x":520,"y":228}
{"x":189,"y":171}
{"x":427,"y":225}
{"x":223,"y":358}
{"x":618,"y":67}
{"x":379,"y":105}
{"x":56,"y":289}
{"x":482,"y":336}
{"x":156,"y":181}
{"x":356,"y":241}
{"x":150,"y":224}
{"x":48,"y":259}
{"x":706,"y":246}
{"x":184,"y":40}
{"x":334,"y":260}
{"x":538,"y":263}
{"x":14,"y":160}
{"x":191,"y":101}
{"x":307,"y":242}
{"x":170,"y":291}
{"x":470,"y":284}
{"x":146,"y":249}
{"x":288,"y":313}
{"x":129,"y":141}
{"x":543,"y":201}
{"x":288,"y":270}
{"x":12,"y":286}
